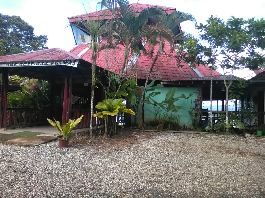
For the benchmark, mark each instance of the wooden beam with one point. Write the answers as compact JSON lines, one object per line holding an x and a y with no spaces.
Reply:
{"x":52,"y":98}
{"x":4,"y":103}
{"x":67,"y":99}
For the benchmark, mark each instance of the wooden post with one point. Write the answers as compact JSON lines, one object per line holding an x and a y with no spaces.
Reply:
{"x":52,"y":99}
{"x":67,"y":99}
{"x":211,"y":104}
{"x":4,"y":104}
{"x":223,"y":105}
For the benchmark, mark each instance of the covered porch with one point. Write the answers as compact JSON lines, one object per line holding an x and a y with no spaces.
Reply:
{"x":69,"y":80}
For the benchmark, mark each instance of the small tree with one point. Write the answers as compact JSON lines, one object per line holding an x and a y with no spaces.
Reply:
{"x":109,"y":109}
{"x":230,"y":44}
{"x":96,"y":29}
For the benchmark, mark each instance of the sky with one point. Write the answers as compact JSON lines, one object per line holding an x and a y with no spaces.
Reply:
{"x":50,"y":17}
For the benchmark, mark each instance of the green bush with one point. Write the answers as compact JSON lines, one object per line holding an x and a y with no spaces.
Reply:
{"x":235,"y":124}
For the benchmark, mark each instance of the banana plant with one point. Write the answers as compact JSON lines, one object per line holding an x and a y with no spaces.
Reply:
{"x":109,"y":109}
{"x":65,"y":131}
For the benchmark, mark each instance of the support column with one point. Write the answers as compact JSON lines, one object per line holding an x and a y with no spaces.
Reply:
{"x":67,"y":99}
{"x":4,"y":104}
{"x":52,"y":99}
{"x":223,"y":105}
{"x":263,"y":106}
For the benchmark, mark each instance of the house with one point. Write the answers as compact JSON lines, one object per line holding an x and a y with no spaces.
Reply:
{"x":190,"y":85}
{"x":255,"y":98}
{"x":69,"y":75}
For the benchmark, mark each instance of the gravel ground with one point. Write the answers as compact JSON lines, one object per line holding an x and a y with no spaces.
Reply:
{"x":164,"y":165}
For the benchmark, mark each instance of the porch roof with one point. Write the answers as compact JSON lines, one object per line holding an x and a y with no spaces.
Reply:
{"x":46,"y":57}
{"x":46,"y":64}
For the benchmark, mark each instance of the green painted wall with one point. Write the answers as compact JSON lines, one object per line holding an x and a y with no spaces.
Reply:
{"x":184,"y":102}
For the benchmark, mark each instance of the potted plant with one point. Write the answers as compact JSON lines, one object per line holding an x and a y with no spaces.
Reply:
{"x":65,"y":131}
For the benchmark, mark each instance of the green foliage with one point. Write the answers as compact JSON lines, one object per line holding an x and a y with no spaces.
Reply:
{"x":111,"y":4}
{"x":111,"y":107}
{"x":237,"y":89}
{"x":17,"y":36}
{"x":33,"y":93}
{"x":65,"y":131}
{"x":235,"y":124}
{"x":108,"y":110}
{"x":234,"y":43}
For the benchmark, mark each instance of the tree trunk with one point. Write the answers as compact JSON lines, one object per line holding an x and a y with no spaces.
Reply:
{"x":211,"y":104}
{"x":126,"y":55}
{"x":92,"y":99}
{"x":141,"y":103}
{"x":227,"y":86}
{"x":93,"y":82}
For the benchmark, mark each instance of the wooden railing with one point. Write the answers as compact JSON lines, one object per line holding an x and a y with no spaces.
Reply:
{"x":26,"y":117}
{"x":22,"y":117}
{"x":250,"y":119}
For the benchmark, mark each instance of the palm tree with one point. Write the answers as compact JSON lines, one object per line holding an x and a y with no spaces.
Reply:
{"x":95,"y":28}
{"x":166,"y":29}
{"x":152,"y":26}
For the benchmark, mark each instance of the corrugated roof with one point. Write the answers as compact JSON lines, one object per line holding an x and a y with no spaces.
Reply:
{"x":53,"y":54}
{"x":107,"y":14}
{"x":260,"y":77}
{"x":166,"y":68}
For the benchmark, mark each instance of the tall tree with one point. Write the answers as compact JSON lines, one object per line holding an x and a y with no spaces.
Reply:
{"x":230,"y":44}
{"x":165,"y":28}
{"x":150,"y":27}
{"x":95,"y":28}
{"x":18,"y":36}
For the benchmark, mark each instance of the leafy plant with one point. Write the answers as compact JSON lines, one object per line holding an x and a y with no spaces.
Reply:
{"x":65,"y":131}
{"x":33,"y":93}
{"x":109,"y":109}
{"x":234,"y":125}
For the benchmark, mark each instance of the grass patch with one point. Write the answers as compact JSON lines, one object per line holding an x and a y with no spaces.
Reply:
{"x":23,"y":134}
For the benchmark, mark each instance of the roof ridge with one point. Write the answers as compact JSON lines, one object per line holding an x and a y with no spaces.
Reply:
{"x":23,"y":53}
{"x":152,"y":5}
{"x":133,"y":6}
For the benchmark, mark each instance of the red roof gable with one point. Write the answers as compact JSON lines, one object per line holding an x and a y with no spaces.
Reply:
{"x":166,"y":68}
{"x":53,"y":54}
{"x":107,"y":14}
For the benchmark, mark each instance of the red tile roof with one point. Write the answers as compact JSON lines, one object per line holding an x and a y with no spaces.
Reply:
{"x":107,"y":14}
{"x":166,"y":68}
{"x":109,"y":59}
{"x":53,"y":54}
